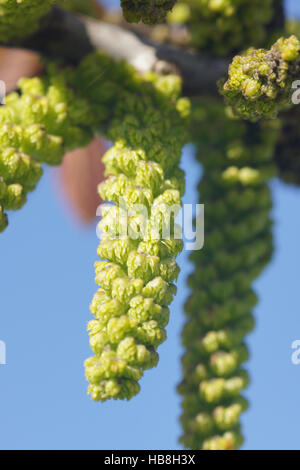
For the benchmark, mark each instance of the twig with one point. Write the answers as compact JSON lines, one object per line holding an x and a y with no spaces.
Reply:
{"x":64,"y":35}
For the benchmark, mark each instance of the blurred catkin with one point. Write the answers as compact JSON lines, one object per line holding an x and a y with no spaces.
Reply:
{"x":237,"y":164}
{"x":224,"y":27}
{"x":20,"y":18}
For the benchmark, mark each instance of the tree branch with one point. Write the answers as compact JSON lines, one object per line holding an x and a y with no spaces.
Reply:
{"x":64,"y":35}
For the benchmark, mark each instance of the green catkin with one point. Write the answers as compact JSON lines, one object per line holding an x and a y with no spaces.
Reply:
{"x":260,"y":81}
{"x":20,"y":18}
{"x":237,"y":164}
{"x":38,"y":125}
{"x":136,"y":277}
{"x":223,"y":27}
{"x":147,"y":11}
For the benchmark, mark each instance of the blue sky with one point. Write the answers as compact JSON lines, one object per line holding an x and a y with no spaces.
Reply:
{"x":46,"y":285}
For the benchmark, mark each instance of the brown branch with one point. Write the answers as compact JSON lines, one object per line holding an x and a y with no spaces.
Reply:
{"x":64,"y":35}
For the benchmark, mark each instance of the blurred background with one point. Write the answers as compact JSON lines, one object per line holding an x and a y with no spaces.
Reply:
{"x":46,"y":285}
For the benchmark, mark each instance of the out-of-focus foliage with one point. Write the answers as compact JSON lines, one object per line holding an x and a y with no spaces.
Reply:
{"x":20,"y":18}
{"x":147,"y":11}
{"x":223,"y":27}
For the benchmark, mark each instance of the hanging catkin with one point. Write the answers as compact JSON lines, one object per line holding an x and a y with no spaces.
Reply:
{"x":237,"y":164}
{"x":136,"y":277}
{"x":38,"y":125}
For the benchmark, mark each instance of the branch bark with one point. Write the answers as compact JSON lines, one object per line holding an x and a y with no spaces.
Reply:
{"x":64,"y":35}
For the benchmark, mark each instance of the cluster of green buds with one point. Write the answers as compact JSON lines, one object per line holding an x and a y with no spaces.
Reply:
{"x":137,"y":270}
{"x":147,"y":11}
{"x":260,"y":81}
{"x":237,"y":164}
{"x":223,"y":27}
{"x":19,"y":174}
{"x":38,"y":125}
{"x":20,"y":18}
